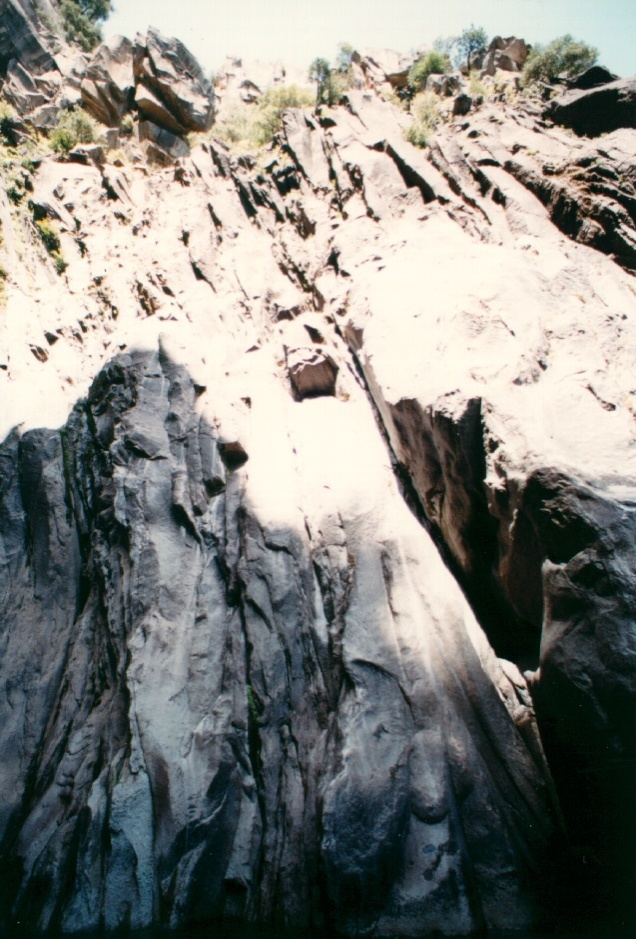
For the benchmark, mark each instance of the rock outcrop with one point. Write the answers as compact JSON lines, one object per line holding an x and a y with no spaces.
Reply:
{"x":509,"y":55}
{"x":597,"y":110}
{"x":171,"y":89}
{"x":317,"y":523}
{"x":23,"y":37}
{"x":108,"y":87}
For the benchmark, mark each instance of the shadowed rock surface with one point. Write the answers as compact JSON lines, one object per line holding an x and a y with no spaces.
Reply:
{"x":343,"y":494}
{"x":598,"y":110}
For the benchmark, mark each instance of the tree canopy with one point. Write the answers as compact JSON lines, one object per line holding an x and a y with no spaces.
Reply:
{"x":563,"y":56}
{"x":81,"y":19}
{"x":472,"y":40}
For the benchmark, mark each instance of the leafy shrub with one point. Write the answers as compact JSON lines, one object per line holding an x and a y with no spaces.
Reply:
{"x":16,"y":181}
{"x":336,"y":86}
{"x":49,"y":236}
{"x":426,"y":117}
{"x":249,"y":126}
{"x":127,"y":125}
{"x":272,"y":105}
{"x":7,"y":117}
{"x":433,"y":63}
{"x":80,"y":21}
{"x":73,"y":128}
{"x":562,"y":56}
{"x":51,"y":241}
{"x":476,"y":85}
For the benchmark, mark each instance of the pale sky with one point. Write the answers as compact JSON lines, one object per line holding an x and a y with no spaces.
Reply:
{"x":296,"y":31}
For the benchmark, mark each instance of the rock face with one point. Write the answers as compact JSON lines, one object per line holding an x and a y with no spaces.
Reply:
{"x":170,"y":82}
{"x":196,"y":650}
{"x":22,"y":36}
{"x":329,"y":540}
{"x":108,"y":87}
{"x":598,"y":110}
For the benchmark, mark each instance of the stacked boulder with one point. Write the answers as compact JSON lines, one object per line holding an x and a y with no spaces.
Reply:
{"x":508,"y":55}
{"x":155,"y":76}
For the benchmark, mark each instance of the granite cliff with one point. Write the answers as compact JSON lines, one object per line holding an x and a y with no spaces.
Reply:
{"x":317,"y":503}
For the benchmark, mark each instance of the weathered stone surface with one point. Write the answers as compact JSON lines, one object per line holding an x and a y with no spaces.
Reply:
{"x":160,"y":144}
{"x":108,"y":85}
{"x":509,"y":55}
{"x":598,"y":110}
{"x":313,"y":372}
{"x":185,"y":737}
{"x":22,"y":91}
{"x":172,"y":74}
{"x":243,"y":665}
{"x":462,"y":105}
{"x":445,"y":85}
{"x":592,"y":77}
{"x":23,"y":38}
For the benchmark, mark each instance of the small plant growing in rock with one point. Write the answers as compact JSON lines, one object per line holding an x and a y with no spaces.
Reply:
{"x":49,"y":236}
{"x":127,"y":125}
{"x":51,"y":241}
{"x":563,"y":56}
{"x":7,"y":117}
{"x":426,"y":117}
{"x":248,"y":126}
{"x":476,"y":85}
{"x":273,"y":104}
{"x":73,"y":127}
{"x":433,"y":63}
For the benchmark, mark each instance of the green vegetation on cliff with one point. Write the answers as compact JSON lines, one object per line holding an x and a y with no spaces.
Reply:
{"x":81,"y":19}
{"x":563,"y":56}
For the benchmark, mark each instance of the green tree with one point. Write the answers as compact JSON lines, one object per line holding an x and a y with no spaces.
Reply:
{"x":344,"y":57}
{"x":433,"y":63}
{"x":81,"y":19}
{"x":472,"y":40}
{"x":319,"y":72}
{"x":73,"y":127}
{"x":563,"y":56}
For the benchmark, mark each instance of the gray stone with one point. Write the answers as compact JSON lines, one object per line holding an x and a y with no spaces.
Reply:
{"x":22,"y":37}
{"x":312,"y":372}
{"x":462,"y":105}
{"x":160,"y":143}
{"x":598,"y":110}
{"x":174,"y":77}
{"x":108,"y":85}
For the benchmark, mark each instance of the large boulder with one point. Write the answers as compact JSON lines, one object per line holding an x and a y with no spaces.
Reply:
{"x":509,"y":55}
{"x":160,"y":144}
{"x":108,"y":86}
{"x":444,"y":85}
{"x":592,"y":77}
{"x":172,"y":75}
{"x":597,"y":110}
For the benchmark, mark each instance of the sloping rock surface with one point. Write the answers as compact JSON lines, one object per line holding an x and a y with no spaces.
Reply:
{"x":343,"y":494}
{"x":22,"y":37}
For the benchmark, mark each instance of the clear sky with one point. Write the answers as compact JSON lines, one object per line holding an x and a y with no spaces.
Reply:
{"x":296,"y":31}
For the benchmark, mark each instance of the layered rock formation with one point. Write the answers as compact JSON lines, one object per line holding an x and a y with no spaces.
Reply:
{"x":336,"y":490}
